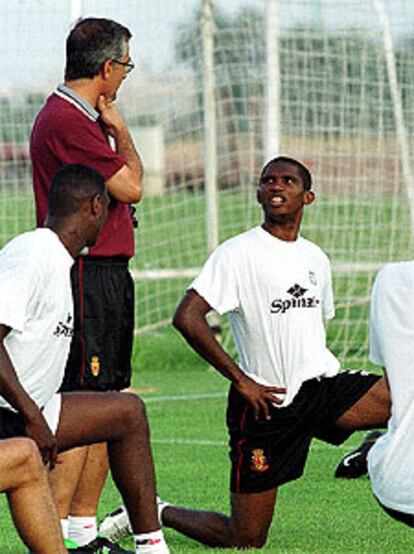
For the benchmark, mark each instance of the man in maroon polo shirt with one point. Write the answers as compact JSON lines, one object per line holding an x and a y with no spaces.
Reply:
{"x":80,"y":123}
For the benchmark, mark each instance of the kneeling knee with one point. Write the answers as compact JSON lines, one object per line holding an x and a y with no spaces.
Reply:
{"x":134,"y":409}
{"x":253,"y":542}
{"x":250,"y":538}
{"x":31,"y":459}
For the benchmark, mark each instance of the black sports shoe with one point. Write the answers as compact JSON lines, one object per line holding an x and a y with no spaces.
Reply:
{"x":354,"y":464}
{"x":101,"y":546}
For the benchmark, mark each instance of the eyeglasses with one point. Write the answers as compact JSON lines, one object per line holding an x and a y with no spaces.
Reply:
{"x":129,"y":66}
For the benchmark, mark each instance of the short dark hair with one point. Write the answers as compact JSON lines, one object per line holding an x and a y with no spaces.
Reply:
{"x":91,"y":43}
{"x":73,"y":185}
{"x":304,"y":171}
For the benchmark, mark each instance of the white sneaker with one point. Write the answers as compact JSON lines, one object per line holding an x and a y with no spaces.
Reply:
{"x":161,"y":504}
{"x":115,"y":526}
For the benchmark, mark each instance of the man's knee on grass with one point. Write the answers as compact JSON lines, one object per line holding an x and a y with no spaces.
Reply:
{"x":249,"y":529}
{"x":249,"y":536}
{"x":254,"y":540}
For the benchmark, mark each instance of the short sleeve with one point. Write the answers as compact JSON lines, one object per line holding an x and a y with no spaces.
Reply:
{"x":375,"y":350}
{"x":328,"y":306}
{"x":18,"y":281}
{"x":217,"y":282}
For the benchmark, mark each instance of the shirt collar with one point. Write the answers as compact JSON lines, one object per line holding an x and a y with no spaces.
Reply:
{"x":81,"y":102}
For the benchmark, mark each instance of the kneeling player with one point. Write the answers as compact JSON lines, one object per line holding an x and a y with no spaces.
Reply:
{"x":391,"y":459}
{"x":36,"y":325}
{"x":275,"y":287}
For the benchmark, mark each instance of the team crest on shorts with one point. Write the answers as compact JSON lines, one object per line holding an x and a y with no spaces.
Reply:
{"x":259,"y":461}
{"x":95,"y":366}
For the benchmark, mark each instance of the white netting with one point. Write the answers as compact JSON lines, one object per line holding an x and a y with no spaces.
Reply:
{"x":337,"y":113}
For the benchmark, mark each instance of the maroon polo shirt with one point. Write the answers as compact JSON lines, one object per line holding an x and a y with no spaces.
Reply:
{"x":67,"y":131}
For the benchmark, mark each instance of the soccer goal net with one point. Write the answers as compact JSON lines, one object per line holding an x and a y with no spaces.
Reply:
{"x":221,"y":86}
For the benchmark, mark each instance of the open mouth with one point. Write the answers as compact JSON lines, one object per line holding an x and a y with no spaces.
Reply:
{"x":277,"y":200}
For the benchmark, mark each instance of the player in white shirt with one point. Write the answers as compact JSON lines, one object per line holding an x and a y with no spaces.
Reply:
{"x":287,"y":388}
{"x":391,"y":459}
{"x":36,"y":325}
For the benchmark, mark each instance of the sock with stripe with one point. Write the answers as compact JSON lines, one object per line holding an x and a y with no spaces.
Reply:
{"x":82,"y":529}
{"x":151,"y":543}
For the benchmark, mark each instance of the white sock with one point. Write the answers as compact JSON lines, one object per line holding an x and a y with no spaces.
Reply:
{"x":82,"y":529}
{"x":64,"y":522}
{"x":151,"y":543}
{"x":161,"y":505}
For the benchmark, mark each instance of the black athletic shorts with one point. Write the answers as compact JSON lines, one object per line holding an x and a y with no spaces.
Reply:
{"x":100,"y":354}
{"x":265,"y":454}
{"x":403,"y":517}
{"x":12,"y":424}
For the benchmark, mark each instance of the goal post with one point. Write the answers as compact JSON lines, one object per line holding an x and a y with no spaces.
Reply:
{"x":76,"y":10}
{"x":400,"y":128}
{"x":272,"y":96}
{"x":330,"y":82}
{"x":210,"y":128}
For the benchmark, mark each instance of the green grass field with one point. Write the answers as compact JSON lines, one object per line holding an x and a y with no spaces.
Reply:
{"x":314,"y":514}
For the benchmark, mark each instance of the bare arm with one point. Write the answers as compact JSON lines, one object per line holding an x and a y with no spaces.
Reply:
{"x":190,"y":320}
{"x":126,"y":184}
{"x":16,"y":396}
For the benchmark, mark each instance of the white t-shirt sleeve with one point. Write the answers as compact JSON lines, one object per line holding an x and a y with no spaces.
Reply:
{"x":375,"y":350}
{"x":328,"y":306}
{"x":18,"y":284}
{"x":217,"y":282}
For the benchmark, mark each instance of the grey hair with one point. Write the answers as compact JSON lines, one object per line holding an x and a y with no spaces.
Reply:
{"x":91,"y":43}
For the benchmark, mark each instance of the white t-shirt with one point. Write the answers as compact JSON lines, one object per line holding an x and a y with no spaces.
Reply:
{"x":276,"y":294}
{"x":391,"y":459}
{"x":36,"y":302}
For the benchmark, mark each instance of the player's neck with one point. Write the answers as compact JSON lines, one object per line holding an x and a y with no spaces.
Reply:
{"x":287,"y":231}
{"x":69,"y":236}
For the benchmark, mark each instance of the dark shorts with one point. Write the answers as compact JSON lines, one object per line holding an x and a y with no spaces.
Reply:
{"x":266,"y":454}
{"x":100,"y":355}
{"x":403,"y":517}
{"x":12,"y":424}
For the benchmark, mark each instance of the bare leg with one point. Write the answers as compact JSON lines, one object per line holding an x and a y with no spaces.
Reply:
{"x":120,"y":420}
{"x":371,"y":411}
{"x":248,"y":525}
{"x":24,"y":479}
{"x":92,"y":481}
{"x":64,"y":478}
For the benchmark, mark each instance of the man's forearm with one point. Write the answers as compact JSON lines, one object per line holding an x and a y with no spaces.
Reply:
{"x":190,"y":320}
{"x":125,"y":147}
{"x":126,"y":184}
{"x":11,"y":389}
{"x":201,"y":338}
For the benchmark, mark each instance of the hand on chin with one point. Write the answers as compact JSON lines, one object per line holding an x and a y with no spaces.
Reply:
{"x":107,"y":98}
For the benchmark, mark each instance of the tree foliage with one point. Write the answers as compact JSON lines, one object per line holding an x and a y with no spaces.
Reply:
{"x":331,"y":80}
